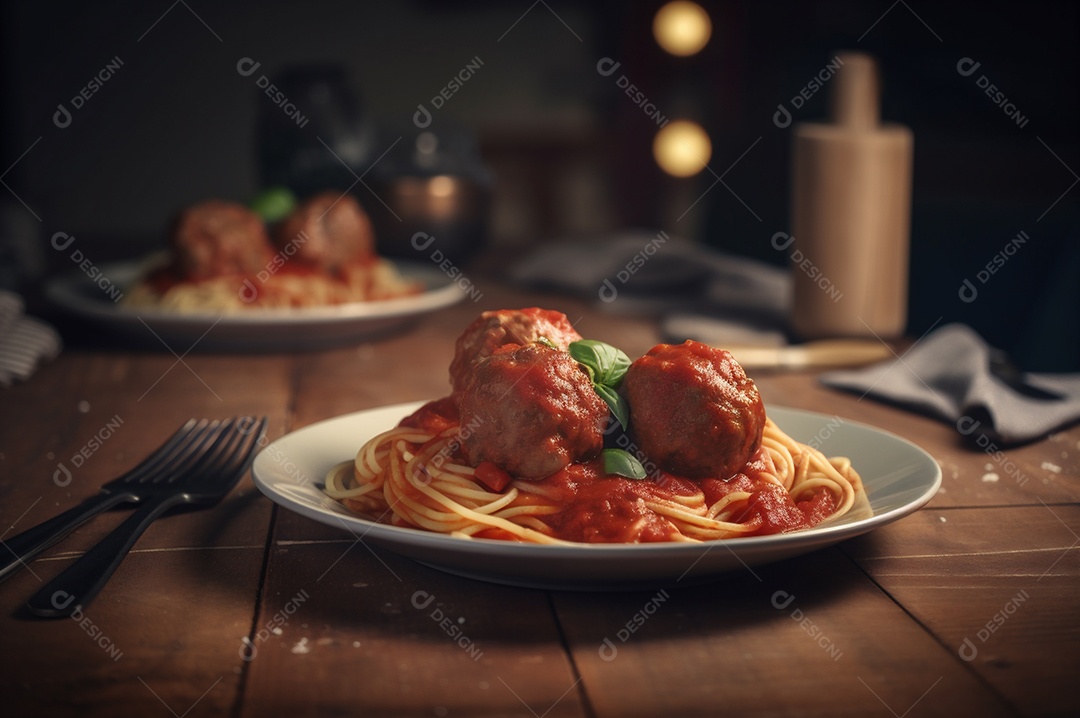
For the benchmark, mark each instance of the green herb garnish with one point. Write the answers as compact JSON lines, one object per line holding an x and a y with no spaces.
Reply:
{"x":619,"y":408}
{"x":618,"y":462}
{"x":606,"y":366}
{"x":274,"y":204}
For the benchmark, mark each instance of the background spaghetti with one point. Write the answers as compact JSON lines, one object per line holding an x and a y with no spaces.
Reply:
{"x":371,"y":279}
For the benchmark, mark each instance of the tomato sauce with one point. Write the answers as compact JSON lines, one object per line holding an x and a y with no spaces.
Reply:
{"x":612,"y":509}
{"x":433,"y":417}
{"x":599,"y":508}
{"x":769,"y":505}
{"x":607,"y":509}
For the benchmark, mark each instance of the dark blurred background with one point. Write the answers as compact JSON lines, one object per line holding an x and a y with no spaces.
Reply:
{"x":559,"y":149}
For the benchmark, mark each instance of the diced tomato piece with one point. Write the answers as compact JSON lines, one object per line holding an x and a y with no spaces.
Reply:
{"x":492,"y":476}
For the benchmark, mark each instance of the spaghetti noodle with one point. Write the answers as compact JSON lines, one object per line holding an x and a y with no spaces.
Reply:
{"x":291,"y":287}
{"x":412,"y":477}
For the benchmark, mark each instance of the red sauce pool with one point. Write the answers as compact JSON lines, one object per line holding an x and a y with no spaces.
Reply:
{"x":612,"y":509}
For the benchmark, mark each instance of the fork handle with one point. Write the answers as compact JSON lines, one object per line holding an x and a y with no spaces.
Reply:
{"x":18,"y":550}
{"x":77,"y":586}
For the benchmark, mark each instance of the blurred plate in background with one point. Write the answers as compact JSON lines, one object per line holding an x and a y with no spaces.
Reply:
{"x":253,"y":330}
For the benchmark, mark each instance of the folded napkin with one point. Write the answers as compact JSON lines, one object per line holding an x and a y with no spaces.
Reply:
{"x":954,"y":375}
{"x":23,"y":341}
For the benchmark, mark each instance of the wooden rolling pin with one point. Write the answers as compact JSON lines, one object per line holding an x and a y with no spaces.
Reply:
{"x":851,"y":213}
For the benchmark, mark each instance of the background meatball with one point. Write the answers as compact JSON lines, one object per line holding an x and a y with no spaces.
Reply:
{"x":326,"y":231}
{"x":215,"y":238}
{"x":693,"y":410}
{"x":531,"y":411}
{"x":492,"y":330}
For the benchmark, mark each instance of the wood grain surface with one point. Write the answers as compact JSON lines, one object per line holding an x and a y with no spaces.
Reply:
{"x":967,"y":607}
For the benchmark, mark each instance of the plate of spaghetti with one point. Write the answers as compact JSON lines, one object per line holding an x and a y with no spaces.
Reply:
{"x":557,"y":462}
{"x":231,"y":279}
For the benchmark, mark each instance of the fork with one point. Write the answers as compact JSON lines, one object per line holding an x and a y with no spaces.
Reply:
{"x":137,"y":484}
{"x":221,"y":457}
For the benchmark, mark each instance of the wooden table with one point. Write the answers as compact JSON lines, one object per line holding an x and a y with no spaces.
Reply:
{"x":971,"y":606}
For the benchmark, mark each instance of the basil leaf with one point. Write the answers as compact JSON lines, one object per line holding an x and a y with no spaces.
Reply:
{"x":546,"y":342}
{"x":607,"y":364}
{"x":619,"y":408}
{"x":585,"y":355}
{"x":590,"y":371}
{"x":274,"y":204}
{"x":618,"y":462}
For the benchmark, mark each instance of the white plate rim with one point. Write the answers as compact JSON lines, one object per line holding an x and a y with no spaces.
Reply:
{"x":68,"y":291}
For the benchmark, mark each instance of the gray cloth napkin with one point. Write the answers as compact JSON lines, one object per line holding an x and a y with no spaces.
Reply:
{"x":697,"y":290}
{"x":954,"y":375}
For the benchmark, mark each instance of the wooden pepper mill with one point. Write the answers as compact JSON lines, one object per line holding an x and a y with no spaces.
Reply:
{"x":851,"y":213}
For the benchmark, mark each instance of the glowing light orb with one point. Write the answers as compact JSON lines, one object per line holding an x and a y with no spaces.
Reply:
{"x":682,"y":28}
{"x":682,"y":148}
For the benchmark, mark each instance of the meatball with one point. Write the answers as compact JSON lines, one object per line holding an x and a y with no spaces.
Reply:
{"x":531,"y":410}
{"x":326,"y":231}
{"x":434,"y":417}
{"x":216,"y":238}
{"x":693,"y":410}
{"x":491,"y":330}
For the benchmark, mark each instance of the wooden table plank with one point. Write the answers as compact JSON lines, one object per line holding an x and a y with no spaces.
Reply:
{"x":164,"y":638}
{"x":812,"y":637}
{"x":369,"y":633}
{"x":997,"y":586}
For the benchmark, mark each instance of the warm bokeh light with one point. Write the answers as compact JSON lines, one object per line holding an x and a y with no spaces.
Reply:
{"x":682,"y":148}
{"x":682,"y":27}
{"x":441,"y":186}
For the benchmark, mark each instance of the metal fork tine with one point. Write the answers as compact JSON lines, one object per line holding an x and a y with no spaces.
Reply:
{"x":241,"y":451}
{"x":229,"y":457}
{"x":192,"y":454}
{"x":236,"y":462}
{"x":163,"y":453}
{"x":229,"y":447}
{"x":219,"y":448}
{"x":253,"y":435}
{"x":179,"y":454}
{"x":251,"y":445}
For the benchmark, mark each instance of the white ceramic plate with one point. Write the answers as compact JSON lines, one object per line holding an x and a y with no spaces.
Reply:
{"x":899,"y":478}
{"x":254,"y":330}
